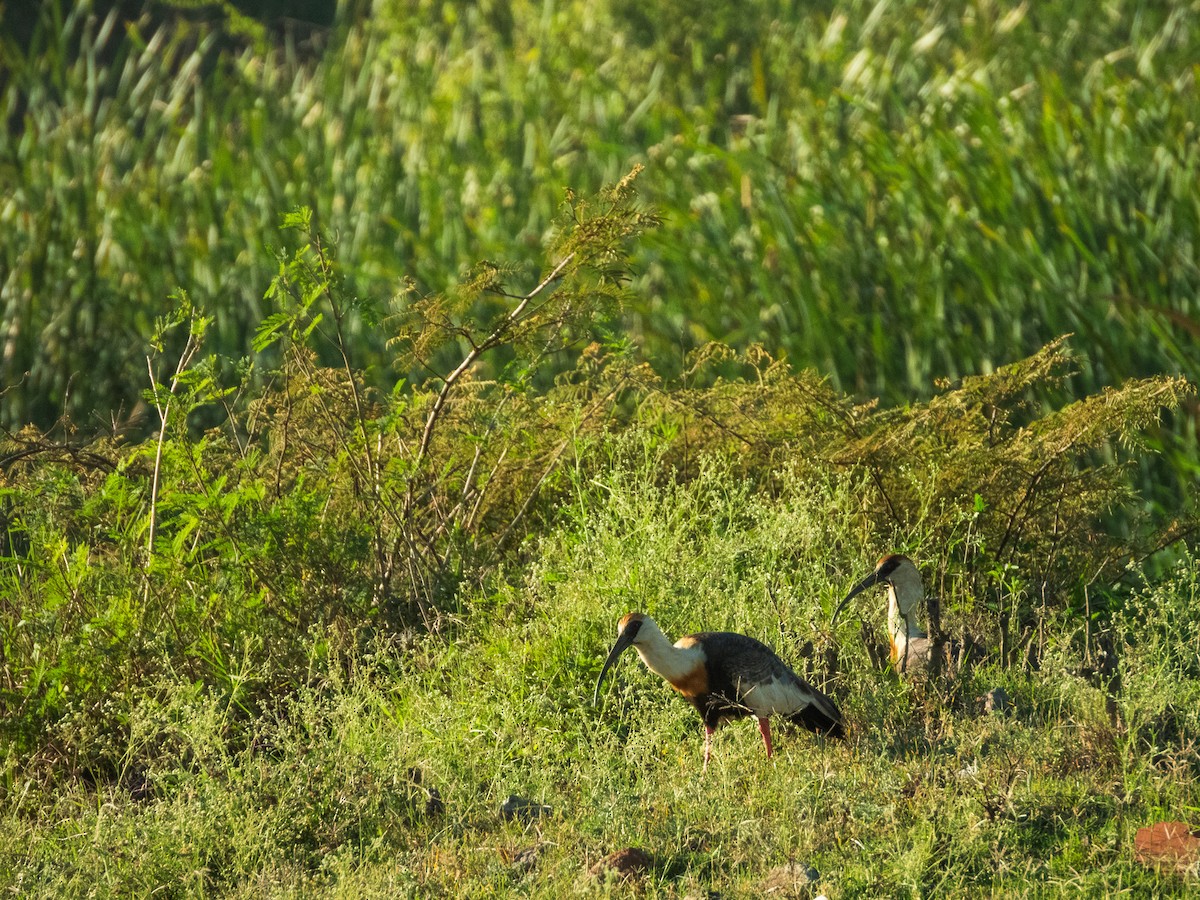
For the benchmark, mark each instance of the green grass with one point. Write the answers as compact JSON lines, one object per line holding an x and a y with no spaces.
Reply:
{"x":927,"y":797}
{"x":261,"y":700}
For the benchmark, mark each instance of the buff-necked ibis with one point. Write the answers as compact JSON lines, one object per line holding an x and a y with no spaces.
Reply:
{"x":911,"y":646}
{"x":726,"y":676}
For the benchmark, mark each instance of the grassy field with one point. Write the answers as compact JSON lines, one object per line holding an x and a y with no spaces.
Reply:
{"x":762,"y":297}
{"x":242,"y":671}
{"x":331,"y":789}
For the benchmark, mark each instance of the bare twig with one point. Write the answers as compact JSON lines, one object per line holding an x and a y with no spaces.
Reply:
{"x":555,"y":457}
{"x":190,"y":349}
{"x":492,"y":340}
{"x":339,"y":315}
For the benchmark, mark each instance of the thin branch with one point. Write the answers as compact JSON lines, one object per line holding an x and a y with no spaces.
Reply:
{"x":555,"y":457}
{"x":1034,"y":480}
{"x":185,"y":358}
{"x":492,"y":340}
{"x":338,"y":316}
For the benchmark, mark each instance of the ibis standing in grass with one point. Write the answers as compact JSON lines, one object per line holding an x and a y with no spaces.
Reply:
{"x":726,"y":676}
{"x":911,"y":646}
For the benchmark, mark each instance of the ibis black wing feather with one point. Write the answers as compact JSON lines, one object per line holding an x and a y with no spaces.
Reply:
{"x":746,"y":672}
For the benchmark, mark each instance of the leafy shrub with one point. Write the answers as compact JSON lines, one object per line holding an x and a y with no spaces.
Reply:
{"x":1011,"y":500}
{"x":319,"y":512}
{"x":1158,"y":634}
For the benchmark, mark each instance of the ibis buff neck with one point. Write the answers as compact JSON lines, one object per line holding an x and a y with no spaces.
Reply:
{"x":680,"y":664}
{"x":905,"y":593}
{"x":674,"y":662}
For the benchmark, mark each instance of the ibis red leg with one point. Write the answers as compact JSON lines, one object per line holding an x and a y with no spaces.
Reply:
{"x":764,"y":725}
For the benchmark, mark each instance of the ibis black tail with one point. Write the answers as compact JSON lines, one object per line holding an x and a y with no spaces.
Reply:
{"x":815,"y":718}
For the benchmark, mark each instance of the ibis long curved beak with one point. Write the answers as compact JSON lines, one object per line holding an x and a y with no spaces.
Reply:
{"x":624,"y":640}
{"x":870,"y":581}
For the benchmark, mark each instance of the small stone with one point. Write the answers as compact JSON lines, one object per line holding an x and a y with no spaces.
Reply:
{"x":1168,"y":845}
{"x":996,"y":701}
{"x":434,"y":805}
{"x":525,"y":860}
{"x":515,"y":807}
{"x":790,"y":879}
{"x":627,"y":864}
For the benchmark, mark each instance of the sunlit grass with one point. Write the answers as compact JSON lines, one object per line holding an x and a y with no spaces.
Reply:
{"x":920,"y":799}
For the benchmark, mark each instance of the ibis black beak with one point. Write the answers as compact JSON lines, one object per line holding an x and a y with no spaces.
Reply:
{"x":870,"y":581}
{"x":624,"y":640}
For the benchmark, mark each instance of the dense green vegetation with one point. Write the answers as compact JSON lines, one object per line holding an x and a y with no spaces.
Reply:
{"x":305,"y":631}
{"x":889,"y":193}
{"x":314,"y":648}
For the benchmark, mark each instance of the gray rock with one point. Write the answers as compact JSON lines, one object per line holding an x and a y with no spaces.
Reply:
{"x":515,"y":807}
{"x":791,"y":880}
{"x":996,"y":701}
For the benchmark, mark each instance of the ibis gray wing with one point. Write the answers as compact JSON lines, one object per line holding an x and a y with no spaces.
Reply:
{"x":742,"y":657}
{"x":748,"y":670}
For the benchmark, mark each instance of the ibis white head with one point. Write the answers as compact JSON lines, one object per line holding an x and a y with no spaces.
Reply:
{"x":905,"y":593}
{"x":639,"y":631}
